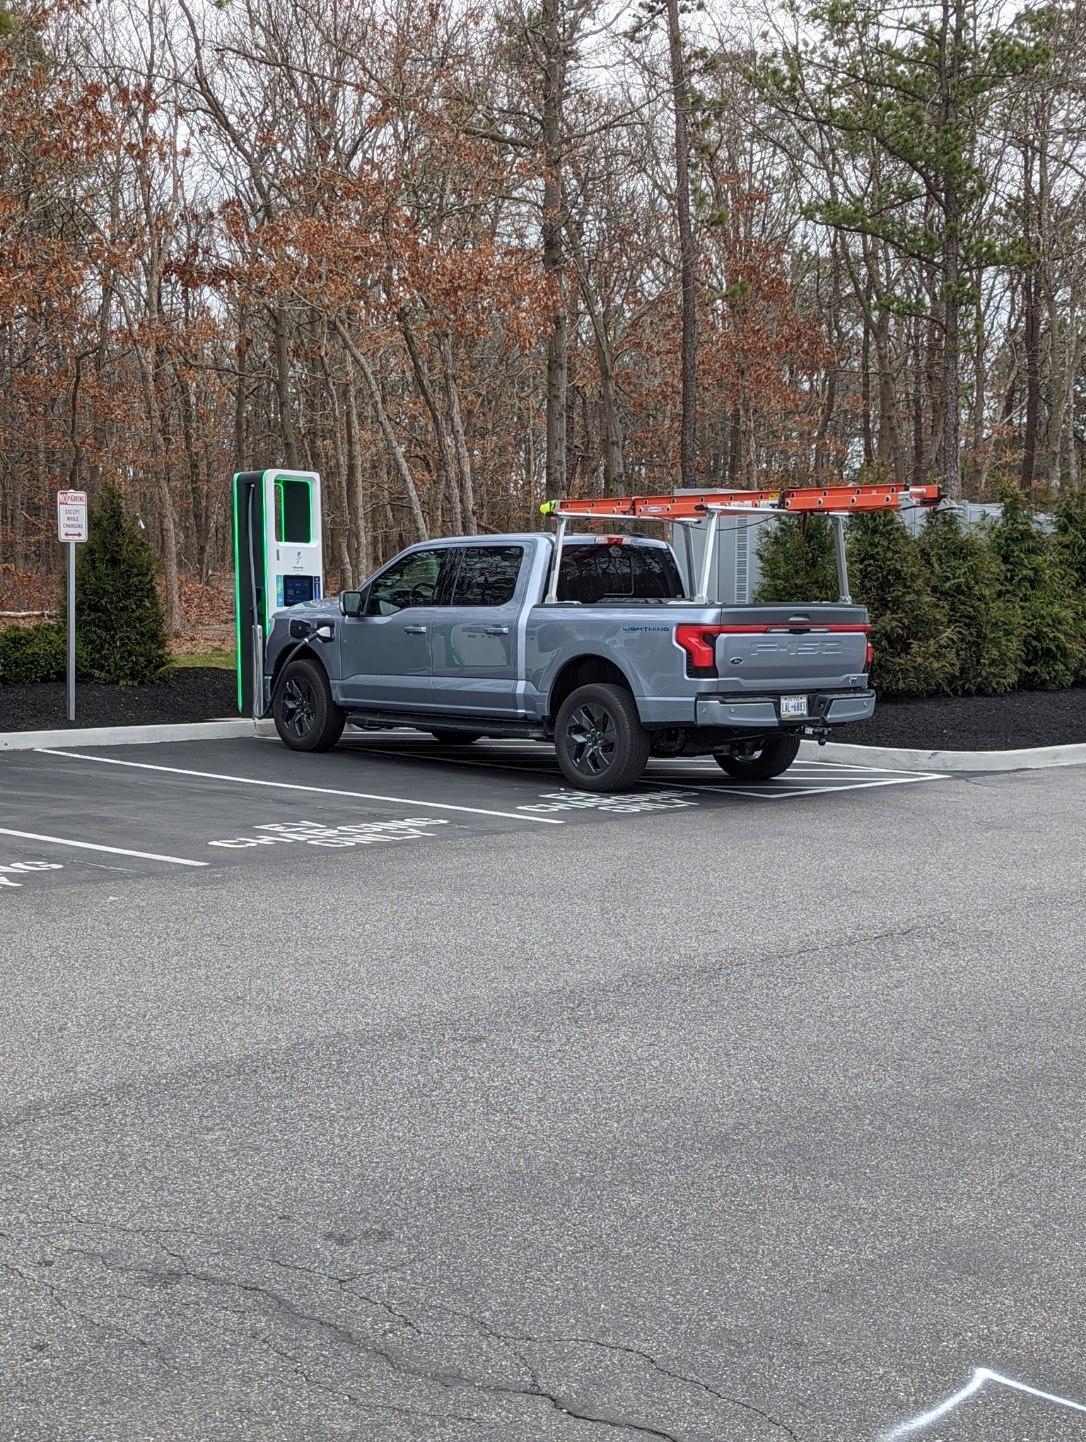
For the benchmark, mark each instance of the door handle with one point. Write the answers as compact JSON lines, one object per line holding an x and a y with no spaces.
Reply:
{"x":415,"y":630}
{"x":495,"y":630}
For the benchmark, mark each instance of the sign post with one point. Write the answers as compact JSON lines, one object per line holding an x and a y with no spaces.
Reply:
{"x":71,"y":528}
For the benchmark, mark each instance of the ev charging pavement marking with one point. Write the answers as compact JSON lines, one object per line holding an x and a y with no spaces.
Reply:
{"x":290,"y":786}
{"x":96,"y":846}
{"x":26,"y":868}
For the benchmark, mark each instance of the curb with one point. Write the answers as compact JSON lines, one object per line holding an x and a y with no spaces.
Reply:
{"x":901,"y":758}
{"x":128,"y":735}
{"x":1033,"y":758}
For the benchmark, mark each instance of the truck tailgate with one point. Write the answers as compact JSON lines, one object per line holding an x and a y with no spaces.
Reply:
{"x":773,"y":649}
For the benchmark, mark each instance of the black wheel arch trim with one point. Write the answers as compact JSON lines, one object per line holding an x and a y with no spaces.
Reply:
{"x":300,"y":651}
{"x":617,"y":677}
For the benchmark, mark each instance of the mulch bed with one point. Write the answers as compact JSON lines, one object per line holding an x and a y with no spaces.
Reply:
{"x":196,"y":693}
{"x":975,"y":723}
{"x":939,"y":723}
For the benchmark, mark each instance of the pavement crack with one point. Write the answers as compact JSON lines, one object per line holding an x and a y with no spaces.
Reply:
{"x":658,"y":1366}
{"x":621,"y":1348}
{"x":55,"y":1292}
{"x":345,"y":1395}
{"x":405,"y":1327}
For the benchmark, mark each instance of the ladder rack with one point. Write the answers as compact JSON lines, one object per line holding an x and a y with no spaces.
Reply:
{"x":836,"y":502}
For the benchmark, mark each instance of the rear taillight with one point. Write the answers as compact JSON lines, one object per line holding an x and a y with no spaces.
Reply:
{"x":869,"y":656}
{"x":699,"y":643}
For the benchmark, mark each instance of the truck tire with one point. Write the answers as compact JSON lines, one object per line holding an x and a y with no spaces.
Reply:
{"x":774,"y":756}
{"x":600,"y":741}
{"x":306,"y":717}
{"x":455,"y":738}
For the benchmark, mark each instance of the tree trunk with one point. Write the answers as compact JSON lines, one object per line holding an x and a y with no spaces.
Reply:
{"x":280,"y":324}
{"x":948,"y":452}
{"x":612,"y":424}
{"x":399,"y":460}
{"x":918,"y":476}
{"x":362,"y":551}
{"x":554,"y":85}
{"x":865,"y":392}
{"x":949,"y":440}
{"x":463,"y":458}
{"x":1031,"y":330}
{"x":680,"y":102}
{"x":241,"y":353}
{"x":441,"y":434}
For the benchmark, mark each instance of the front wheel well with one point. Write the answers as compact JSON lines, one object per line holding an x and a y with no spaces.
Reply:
{"x":583,"y":671}
{"x":303,"y":651}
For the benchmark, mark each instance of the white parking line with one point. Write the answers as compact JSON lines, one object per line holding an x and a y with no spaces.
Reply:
{"x":296,"y":786}
{"x":752,"y":793}
{"x":981,"y":1376}
{"x":96,"y":846}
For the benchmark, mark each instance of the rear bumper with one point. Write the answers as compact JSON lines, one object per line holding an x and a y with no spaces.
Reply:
{"x":826,"y":708}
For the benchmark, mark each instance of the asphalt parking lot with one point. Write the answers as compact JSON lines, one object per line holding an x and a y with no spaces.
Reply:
{"x":407,"y":1094}
{"x":74,"y":816}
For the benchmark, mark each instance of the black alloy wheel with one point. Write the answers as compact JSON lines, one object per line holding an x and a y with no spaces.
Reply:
{"x":298,"y":706}
{"x":306,"y":717}
{"x":591,"y":738}
{"x":600,"y":741}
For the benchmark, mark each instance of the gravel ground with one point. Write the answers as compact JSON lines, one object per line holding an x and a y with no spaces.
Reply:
{"x":197,"y":693}
{"x":956,"y":723}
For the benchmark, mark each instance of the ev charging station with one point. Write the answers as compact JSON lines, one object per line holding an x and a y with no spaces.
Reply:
{"x":278,"y":561}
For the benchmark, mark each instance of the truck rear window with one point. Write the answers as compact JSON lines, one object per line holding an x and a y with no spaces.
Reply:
{"x":594,"y":573}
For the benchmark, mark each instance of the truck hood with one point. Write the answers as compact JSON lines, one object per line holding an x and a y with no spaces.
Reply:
{"x":321,"y":610}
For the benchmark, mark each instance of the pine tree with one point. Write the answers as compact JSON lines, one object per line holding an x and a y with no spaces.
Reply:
{"x":902,"y":96}
{"x":910,"y":630}
{"x":1037,"y":577}
{"x":797,"y":561}
{"x":1071,"y":540}
{"x":121,"y":630}
{"x":1071,"y":534}
{"x":986,"y":623}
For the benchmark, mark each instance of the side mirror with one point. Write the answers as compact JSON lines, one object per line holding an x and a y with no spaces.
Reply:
{"x":352,"y":603}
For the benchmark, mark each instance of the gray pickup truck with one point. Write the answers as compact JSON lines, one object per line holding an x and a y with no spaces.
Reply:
{"x":477,"y":636}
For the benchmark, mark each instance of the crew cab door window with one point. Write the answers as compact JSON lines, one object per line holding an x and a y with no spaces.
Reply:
{"x":487,"y":575}
{"x":594,"y":573}
{"x":413,"y":581}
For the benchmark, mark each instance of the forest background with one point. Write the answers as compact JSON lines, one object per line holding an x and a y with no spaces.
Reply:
{"x":460,"y":258}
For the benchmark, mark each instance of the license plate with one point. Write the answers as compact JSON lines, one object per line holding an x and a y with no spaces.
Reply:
{"x":793,"y":706}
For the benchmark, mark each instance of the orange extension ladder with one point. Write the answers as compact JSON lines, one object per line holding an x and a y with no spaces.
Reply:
{"x":695,"y":505}
{"x":837,"y":502}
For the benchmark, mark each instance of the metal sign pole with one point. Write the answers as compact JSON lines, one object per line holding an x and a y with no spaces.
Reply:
{"x":71,"y":529}
{"x":71,"y":630}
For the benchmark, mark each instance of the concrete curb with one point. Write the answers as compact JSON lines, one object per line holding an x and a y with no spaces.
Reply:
{"x":902,"y":759}
{"x":128,"y":735}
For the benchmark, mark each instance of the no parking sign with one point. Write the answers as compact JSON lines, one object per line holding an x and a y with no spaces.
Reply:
{"x":72,"y":515}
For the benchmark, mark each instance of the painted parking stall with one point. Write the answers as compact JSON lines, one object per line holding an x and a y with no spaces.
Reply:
{"x":74,"y":816}
{"x":95,"y":816}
